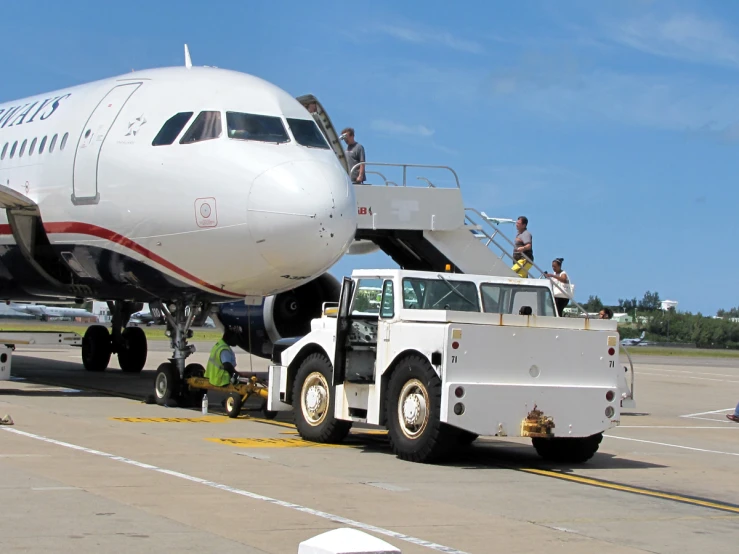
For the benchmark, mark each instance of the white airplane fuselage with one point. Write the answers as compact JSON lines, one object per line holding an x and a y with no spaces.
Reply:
{"x":217,"y":219}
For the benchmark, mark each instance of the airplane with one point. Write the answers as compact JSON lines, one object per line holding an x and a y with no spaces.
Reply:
{"x":47,"y":312}
{"x":182,"y":187}
{"x":634,"y":342}
{"x":148,"y":317}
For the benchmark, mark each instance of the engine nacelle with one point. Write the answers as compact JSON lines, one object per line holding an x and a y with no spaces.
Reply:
{"x":283,"y":315}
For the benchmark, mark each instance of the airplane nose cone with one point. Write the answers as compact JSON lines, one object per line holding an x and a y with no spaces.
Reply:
{"x":302,"y":217}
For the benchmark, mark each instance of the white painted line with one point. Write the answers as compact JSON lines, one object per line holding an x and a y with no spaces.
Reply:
{"x":725,"y":421}
{"x":24,"y":456}
{"x":241,"y":492}
{"x":387,"y":487}
{"x":736,"y":427}
{"x":44,"y":489}
{"x":706,"y":413}
{"x":657,"y":443}
{"x":694,"y":372}
{"x":643,"y":373}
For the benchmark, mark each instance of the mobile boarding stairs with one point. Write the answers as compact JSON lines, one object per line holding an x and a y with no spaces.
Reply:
{"x":427,"y":227}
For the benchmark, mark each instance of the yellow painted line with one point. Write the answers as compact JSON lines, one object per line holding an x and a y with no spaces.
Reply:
{"x":204,"y":419}
{"x":269,"y":421}
{"x":635,"y":490}
{"x":274,"y":443}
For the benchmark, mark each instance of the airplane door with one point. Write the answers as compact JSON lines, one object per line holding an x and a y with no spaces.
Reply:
{"x":85,"y":183}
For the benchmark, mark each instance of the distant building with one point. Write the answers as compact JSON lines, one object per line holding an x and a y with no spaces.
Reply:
{"x":101,"y":310}
{"x":669,"y":304}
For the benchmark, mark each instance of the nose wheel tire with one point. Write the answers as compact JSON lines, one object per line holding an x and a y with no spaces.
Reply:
{"x":133,"y":350}
{"x":167,"y":385}
{"x":413,"y":405}
{"x":313,"y":402}
{"x":96,"y":348}
{"x":190,"y":398}
{"x":233,"y":404}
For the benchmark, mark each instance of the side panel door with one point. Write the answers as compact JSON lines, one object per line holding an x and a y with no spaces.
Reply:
{"x":87,"y":156}
{"x":342,"y":330}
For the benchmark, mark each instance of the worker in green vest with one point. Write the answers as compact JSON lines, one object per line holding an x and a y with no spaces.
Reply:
{"x":221,"y":368}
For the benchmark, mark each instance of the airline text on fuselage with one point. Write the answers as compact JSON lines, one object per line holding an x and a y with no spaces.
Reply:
{"x":16,"y":115}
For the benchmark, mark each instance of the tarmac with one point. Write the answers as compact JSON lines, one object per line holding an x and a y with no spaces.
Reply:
{"x":88,"y":467}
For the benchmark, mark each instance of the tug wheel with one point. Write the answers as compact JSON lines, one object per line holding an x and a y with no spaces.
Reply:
{"x":313,"y":402}
{"x":413,"y":405}
{"x":574,"y":450}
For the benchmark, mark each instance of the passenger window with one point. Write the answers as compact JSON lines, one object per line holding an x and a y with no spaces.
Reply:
{"x":493,"y":299}
{"x":207,"y":126}
{"x":33,"y":147}
{"x":64,"y":141}
{"x":388,"y":301}
{"x":441,"y":294}
{"x":23,"y":149}
{"x":12,"y":150}
{"x":172,"y":129}
{"x":367,"y":297}
{"x":5,"y":151}
{"x":525,"y":298}
{"x":262,"y":128}
{"x":509,"y":299}
{"x":42,"y":146}
{"x":307,"y":133}
{"x":412,"y":292}
{"x":53,"y":143}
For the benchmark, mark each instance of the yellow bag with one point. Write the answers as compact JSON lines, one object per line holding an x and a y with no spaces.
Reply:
{"x":522,"y":267}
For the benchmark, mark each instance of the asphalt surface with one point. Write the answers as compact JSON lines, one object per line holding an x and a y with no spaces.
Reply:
{"x":89,"y":467}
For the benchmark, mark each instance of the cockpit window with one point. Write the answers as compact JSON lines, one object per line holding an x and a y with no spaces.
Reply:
{"x":307,"y":133}
{"x":262,"y":128}
{"x":171,"y":129}
{"x":207,"y":126}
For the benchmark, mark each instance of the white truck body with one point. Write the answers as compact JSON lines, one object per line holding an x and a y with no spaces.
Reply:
{"x":495,"y":367}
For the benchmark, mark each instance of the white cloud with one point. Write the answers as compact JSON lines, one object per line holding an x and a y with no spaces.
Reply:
{"x":431,"y":36}
{"x":664,"y":102}
{"x":685,"y":37}
{"x":515,"y":185}
{"x":395,"y":128}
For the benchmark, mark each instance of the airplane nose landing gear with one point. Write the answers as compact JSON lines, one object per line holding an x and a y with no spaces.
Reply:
{"x":170,"y":387}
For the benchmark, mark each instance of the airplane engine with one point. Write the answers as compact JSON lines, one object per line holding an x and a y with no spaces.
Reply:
{"x":284,"y":315}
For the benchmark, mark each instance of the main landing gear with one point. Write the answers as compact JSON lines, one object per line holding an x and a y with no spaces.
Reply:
{"x":129,"y":343}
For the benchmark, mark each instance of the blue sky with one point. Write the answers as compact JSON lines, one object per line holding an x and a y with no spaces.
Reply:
{"x":612,"y":125}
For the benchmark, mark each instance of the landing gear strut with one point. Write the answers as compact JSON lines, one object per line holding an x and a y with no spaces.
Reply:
{"x":170,"y":386}
{"x":129,"y":343}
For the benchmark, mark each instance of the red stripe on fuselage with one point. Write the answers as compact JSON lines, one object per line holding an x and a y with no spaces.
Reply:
{"x":78,"y":228}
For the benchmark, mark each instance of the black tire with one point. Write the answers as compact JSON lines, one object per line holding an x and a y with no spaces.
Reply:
{"x":96,"y":348}
{"x":233,"y":404}
{"x":575,"y":450}
{"x":133,"y":350}
{"x":323,"y":427}
{"x":167,"y":385}
{"x":429,"y":439}
{"x":191,"y":397}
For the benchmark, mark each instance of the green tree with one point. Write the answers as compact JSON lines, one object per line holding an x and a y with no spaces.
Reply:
{"x":628,"y":305}
{"x":593,"y":304}
{"x":650,"y":302}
